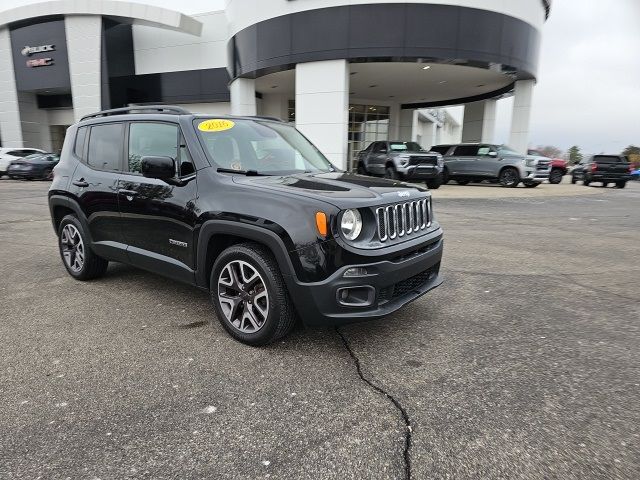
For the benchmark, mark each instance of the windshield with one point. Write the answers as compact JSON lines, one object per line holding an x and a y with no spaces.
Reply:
{"x":504,"y":150}
{"x":405,"y":147}
{"x":269,"y":148}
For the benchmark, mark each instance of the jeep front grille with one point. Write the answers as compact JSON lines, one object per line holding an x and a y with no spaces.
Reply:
{"x":403,"y":219}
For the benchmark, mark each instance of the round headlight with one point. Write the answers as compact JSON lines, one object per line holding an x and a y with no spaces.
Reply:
{"x":351,"y":224}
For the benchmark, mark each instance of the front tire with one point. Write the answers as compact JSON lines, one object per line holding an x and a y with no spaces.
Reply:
{"x":586,"y":181}
{"x":621,"y":184}
{"x":555,"y":177}
{"x":509,"y":177}
{"x":249,"y":295}
{"x":391,"y":173}
{"x":361,"y":170}
{"x":77,"y":256}
{"x":574,"y":180}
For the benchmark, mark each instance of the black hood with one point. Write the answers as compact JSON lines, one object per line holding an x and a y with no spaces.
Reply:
{"x":340,"y":189}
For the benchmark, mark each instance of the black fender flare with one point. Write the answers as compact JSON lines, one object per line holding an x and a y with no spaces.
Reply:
{"x":70,"y":203}
{"x":251,"y":232}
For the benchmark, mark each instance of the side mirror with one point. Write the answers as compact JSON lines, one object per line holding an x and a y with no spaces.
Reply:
{"x":162,"y":168}
{"x":493,"y":154}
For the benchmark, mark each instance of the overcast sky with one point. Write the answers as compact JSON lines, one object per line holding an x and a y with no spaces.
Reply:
{"x":588,"y":91}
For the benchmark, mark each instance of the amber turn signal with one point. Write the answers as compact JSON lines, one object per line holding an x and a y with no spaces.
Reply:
{"x":321,"y":223}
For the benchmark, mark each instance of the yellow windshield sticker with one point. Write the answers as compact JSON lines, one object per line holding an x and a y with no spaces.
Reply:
{"x":216,"y":125}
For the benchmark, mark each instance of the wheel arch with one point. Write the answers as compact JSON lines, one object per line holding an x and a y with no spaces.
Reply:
{"x":217,"y":235}
{"x":60,"y":206}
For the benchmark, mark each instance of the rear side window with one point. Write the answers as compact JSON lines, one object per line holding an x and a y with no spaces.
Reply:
{"x":607,"y":159}
{"x":78,"y":148}
{"x":466,"y":151}
{"x":105,"y":146}
{"x":441,"y":149}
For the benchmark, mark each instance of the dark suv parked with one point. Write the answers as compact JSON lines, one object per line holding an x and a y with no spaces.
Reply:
{"x":247,"y":209}
{"x":607,"y":169}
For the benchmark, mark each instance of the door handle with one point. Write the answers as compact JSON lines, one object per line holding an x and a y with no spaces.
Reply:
{"x":81,"y":183}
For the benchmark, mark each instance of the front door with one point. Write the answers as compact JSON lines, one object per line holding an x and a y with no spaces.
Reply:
{"x":487,"y":165}
{"x":463,"y":160}
{"x":158,"y":216}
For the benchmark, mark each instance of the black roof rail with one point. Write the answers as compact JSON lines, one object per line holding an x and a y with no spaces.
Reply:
{"x":138,"y":109}
{"x":264,"y":117}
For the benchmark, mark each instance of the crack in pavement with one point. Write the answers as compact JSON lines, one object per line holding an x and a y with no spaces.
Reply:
{"x":405,"y":417}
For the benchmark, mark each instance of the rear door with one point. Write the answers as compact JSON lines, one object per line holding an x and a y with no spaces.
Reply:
{"x":158,"y":216}
{"x":94,"y":183}
{"x":463,"y":160}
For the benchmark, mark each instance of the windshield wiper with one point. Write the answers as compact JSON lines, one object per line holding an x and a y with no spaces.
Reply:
{"x":248,"y":173}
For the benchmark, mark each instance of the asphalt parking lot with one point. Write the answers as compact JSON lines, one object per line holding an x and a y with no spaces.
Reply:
{"x":524,"y":364}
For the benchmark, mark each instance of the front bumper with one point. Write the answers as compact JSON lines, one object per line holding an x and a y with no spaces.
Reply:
{"x":393,"y":283}
{"x":531,"y":174}
{"x":419,"y":172}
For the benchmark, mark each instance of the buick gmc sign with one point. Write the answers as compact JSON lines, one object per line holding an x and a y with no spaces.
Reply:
{"x":28,"y":51}
{"x":40,"y":57}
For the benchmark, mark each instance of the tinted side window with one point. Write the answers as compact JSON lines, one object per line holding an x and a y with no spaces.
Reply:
{"x":379,"y":147}
{"x":151,"y":140}
{"x":466,"y":151}
{"x":441,"y":149}
{"x":105,"y":146}
{"x":78,"y":148}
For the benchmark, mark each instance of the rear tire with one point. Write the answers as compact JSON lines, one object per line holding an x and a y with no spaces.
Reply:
{"x":605,"y":184}
{"x":434,"y":183}
{"x":77,"y":256}
{"x":621,"y":184}
{"x":249,"y":295}
{"x":574,"y":180}
{"x":509,"y":177}
{"x":555,"y":177}
{"x":586,"y":182}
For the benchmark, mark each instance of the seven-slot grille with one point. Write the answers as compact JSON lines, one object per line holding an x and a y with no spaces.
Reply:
{"x":403,"y":219}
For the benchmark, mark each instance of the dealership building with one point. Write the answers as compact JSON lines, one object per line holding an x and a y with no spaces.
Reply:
{"x":347,"y":72}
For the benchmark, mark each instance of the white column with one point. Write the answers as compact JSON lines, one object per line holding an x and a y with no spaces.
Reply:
{"x":394,"y":121}
{"x":34,"y":122}
{"x":84,"y":42}
{"x":275,"y":105}
{"x":479,"y":122}
{"x":243,"y":97}
{"x":322,"y":106}
{"x":521,"y":116}
{"x":405,"y":129}
{"x":10,"y":131}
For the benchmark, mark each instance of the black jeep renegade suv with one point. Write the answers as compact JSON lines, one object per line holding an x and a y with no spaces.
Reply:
{"x":246,"y":208}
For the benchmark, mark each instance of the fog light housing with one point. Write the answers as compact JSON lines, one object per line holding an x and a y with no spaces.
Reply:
{"x":355,"y":272}
{"x":361,"y":296}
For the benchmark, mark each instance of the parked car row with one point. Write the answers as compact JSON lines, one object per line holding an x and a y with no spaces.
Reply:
{"x":27,"y":163}
{"x":606,"y":169}
{"x":463,"y":163}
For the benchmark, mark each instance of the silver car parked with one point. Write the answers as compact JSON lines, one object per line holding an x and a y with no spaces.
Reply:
{"x":475,"y":162}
